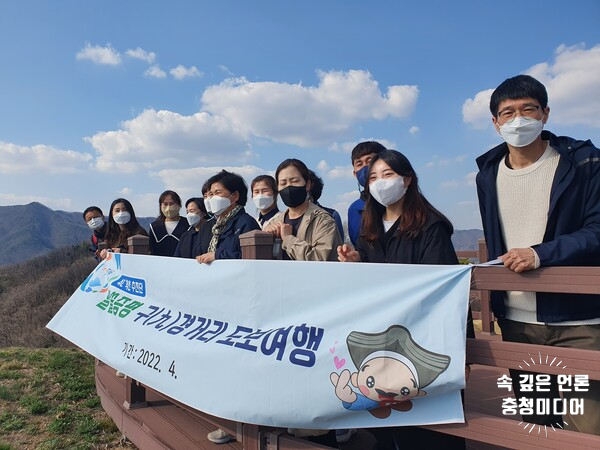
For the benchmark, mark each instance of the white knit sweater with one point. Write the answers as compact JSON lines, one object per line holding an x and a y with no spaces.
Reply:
{"x":523,"y":202}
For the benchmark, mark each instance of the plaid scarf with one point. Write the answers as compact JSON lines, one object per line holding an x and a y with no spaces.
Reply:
{"x":219,"y":226}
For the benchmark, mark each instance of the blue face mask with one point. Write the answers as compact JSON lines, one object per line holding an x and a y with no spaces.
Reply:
{"x":361,"y":176}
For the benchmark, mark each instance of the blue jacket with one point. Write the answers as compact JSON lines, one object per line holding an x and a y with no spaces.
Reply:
{"x":336,"y":216}
{"x":228,"y":246}
{"x":355,"y":211}
{"x":572,"y":235}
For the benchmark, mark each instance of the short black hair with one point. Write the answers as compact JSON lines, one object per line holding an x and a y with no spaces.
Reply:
{"x":366,"y":148}
{"x":521,"y":86}
{"x":90,"y":209}
{"x":233,"y":183}
{"x":316,"y":186}
{"x":205,"y":188}
{"x":297,"y":164}
{"x":265,"y":179}
{"x":199,"y":203}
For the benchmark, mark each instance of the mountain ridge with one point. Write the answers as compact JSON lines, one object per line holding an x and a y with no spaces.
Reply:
{"x":31,"y":230}
{"x":28,"y":231}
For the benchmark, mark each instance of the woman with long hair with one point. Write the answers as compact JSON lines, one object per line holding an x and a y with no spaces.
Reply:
{"x":399,"y":225}
{"x":122,"y":224}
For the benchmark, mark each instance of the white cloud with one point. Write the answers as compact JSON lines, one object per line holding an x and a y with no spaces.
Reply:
{"x":346,"y":147}
{"x":572,"y":83}
{"x":125,"y":191}
{"x":99,"y":55}
{"x":450,"y":184}
{"x":467,"y":181}
{"x":348,"y":196}
{"x":141,"y":54}
{"x":51,"y":202}
{"x":444,"y":162}
{"x":476,"y":111}
{"x":470,"y":178}
{"x":188,"y":182}
{"x":167,"y":139}
{"x":180,"y":72}
{"x":343,"y":201}
{"x":322,"y":166}
{"x":413,"y":130}
{"x":308,"y":116}
{"x":226,"y":70}
{"x":340,"y":172}
{"x":155,"y":72}
{"x":40,"y":158}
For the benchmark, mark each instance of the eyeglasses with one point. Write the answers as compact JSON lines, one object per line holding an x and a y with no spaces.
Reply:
{"x":526,"y":111}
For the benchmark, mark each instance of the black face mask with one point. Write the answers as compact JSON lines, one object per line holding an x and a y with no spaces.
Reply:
{"x":293,"y":196}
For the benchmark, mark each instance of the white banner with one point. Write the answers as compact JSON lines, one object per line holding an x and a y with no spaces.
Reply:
{"x":281,"y":343}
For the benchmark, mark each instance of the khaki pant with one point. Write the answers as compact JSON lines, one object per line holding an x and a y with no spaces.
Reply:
{"x":585,"y":337}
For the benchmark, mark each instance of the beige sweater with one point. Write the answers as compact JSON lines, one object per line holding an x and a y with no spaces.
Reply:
{"x":317,"y":239}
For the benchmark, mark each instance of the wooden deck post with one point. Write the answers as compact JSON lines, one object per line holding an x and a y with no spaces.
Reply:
{"x":256,"y":244}
{"x":487,"y":317}
{"x":135,"y":393}
{"x":139,"y":244}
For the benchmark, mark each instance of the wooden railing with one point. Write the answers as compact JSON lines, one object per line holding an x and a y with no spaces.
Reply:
{"x":479,"y":426}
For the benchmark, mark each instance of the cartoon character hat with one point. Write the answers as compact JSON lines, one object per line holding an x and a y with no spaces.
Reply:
{"x":397,"y":340}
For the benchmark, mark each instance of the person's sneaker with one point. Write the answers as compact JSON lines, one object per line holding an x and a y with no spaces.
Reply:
{"x":220,"y":437}
{"x":342,"y":436}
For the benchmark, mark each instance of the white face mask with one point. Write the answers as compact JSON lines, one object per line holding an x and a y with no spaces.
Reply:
{"x":193,"y":218}
{"x":521,"y":131}
{"x":122,"y":218}
{"x":219,"y":204}
{"x":263,"y":201}
{"x":387,"y":191}
{"x":207,"y":205}
{"x":96,"y":223}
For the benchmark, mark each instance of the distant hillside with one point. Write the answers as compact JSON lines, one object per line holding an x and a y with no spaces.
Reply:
{"x":32,"y":292}
{"x":27,"y":231}
{"x":32,"y":230}
{"x":466,"y":239}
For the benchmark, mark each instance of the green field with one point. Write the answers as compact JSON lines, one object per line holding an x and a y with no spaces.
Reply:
{"x":48,"y":401}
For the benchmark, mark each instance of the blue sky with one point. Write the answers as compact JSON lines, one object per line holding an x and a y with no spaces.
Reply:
{"x":119,"y":98}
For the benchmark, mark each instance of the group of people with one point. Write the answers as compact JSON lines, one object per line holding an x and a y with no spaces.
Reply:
{"x":539,"y":198}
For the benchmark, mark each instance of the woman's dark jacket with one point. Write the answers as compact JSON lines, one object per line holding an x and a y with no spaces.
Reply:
{"x":162,"y":243}
{"x":431,"y":246}
{"x":189,"y":242}
{"x":228,"y":246}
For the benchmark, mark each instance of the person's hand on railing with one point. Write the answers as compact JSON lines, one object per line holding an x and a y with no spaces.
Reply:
{"x":346,"y":253}
{"x":274,"y":229}
{"x":206,"y":258}
{"x":279,"y":230}
{"x":519,"y":259}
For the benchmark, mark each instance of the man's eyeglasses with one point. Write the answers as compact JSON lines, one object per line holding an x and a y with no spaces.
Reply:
{"x":526,"y":111}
